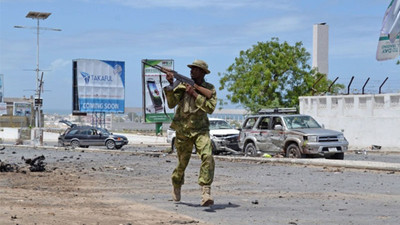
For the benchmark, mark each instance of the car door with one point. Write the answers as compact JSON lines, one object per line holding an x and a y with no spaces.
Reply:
{"x":247,"y":130}
{"x":84,"y":136}
{"x":263,"y":135}
{"x":95,"y":137}
{"x":277,"y":135}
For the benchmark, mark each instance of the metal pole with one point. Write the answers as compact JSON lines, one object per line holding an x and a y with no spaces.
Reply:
{"x":380,"y":87}
{"x":348,"y":87}
{"x":37,"y":107}
{"x":364,"y":85}
{"x":330,"y":86}
{"x":37,"y":104}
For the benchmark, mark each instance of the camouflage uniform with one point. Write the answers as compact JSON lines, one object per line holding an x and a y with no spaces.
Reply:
{"x":192,"y":128}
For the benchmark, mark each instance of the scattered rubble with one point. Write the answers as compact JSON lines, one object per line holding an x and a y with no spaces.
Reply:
{"x":36,"y":164}
{"x":7,"y":167}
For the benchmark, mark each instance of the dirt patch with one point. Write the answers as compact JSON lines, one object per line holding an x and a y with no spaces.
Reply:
{"x":74,"y":193}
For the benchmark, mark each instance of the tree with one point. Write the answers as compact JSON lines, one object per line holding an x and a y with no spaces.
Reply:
{"x":272,"y":74}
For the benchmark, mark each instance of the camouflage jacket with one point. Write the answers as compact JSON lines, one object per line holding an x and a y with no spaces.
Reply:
{"x":191,"y":114}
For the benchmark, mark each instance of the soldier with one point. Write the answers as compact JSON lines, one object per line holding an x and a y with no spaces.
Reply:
{"x":192,"y":128}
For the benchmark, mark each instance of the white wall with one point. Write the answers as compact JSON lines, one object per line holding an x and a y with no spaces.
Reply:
{"x":366,"y":120}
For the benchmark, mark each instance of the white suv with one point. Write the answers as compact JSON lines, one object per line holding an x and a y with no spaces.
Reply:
{"x":223,"y":137}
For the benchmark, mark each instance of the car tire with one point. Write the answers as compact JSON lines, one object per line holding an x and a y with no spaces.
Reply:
{"x":339,"y":156}
{"x":110,"y":144}
{"x":293,"y":151}
{"x":74,"y":144}
{"x":250,"y":150}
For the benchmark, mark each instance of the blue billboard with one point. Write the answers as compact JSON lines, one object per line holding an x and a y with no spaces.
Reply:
{"x":98,"y":86}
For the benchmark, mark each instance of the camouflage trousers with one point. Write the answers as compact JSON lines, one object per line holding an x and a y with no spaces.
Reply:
{"x":184,"y":146}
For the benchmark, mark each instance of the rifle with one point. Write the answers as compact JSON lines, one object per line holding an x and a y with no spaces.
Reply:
{"x":181,"y":79}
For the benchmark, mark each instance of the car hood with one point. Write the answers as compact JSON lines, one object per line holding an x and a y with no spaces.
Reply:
{"x":118,"y":136}
{"x":318,"y":131}
{"x":224,"y":132}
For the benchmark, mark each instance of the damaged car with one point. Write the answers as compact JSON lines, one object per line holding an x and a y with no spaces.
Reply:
{"x":85,"y":136}
{"x":283,"y":131}
{"x":224,"y":138}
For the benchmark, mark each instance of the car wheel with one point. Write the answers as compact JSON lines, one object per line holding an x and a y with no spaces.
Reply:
{"x":74,"y":144}
{"x":250,"y":150}
{"x":339,"y":156}
{"x":110,"y":144}
{"x":293,"y":151}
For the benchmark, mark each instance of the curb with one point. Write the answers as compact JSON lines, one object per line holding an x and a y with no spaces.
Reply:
{"x":352,"y":164}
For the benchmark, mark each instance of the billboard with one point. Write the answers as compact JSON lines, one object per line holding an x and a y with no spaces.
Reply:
{"x":1,"y":87}
{"x":22,"y":109}
{"x":155,"y":106}
{"x":98,"y":86}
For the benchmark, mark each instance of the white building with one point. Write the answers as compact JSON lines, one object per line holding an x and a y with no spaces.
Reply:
{"x":366,"y":120}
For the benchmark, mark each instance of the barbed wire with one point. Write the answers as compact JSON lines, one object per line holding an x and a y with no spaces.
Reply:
{"x":391,"y":85}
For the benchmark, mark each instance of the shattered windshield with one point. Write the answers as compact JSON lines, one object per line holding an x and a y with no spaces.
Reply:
{"x":300,"y":122}
{"x":219,"y":124}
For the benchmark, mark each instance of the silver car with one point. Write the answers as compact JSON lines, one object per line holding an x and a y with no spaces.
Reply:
{"x":292,"y":135}
{"x":224,"y":137}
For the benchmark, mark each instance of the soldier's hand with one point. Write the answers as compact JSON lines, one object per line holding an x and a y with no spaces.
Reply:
{"x":170,"y":77}
{"x":190,"y":90}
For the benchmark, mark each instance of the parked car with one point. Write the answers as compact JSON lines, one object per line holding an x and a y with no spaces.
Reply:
{"x":224,"y":138}
{"x":283,"y":131}
{"x":85,"y":136}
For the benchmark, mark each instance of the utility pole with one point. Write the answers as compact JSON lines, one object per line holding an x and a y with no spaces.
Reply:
{"x":39,"y":80}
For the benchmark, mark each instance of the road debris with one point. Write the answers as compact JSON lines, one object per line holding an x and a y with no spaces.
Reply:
{"x":7,"y":167}
{"x":376,"y":147}
{"x":36,"y":164}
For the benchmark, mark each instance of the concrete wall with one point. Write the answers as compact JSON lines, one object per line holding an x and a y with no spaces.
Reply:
{"x":366,"y":120}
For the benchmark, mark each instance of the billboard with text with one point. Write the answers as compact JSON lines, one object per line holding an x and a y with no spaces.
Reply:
{"x":98,"y":86}
{"x":154,"y":104}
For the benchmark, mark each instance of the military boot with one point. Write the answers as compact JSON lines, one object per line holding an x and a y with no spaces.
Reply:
{"x":206,"y":200}
{"x":176,"y":194}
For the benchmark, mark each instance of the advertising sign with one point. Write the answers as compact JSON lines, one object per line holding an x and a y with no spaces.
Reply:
{"x":1,"y":87}
{"x":155,"y":107}
{"x":386,"y":49}
{"x":22,"y":109}
{"x":98,"y":86}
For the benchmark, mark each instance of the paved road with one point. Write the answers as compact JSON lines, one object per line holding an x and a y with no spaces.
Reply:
{"x":246,"y":190}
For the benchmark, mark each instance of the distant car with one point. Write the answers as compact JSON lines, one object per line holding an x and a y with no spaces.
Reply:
{"x":283,"y":131}
{"x":85,"y":136}
{"x":223,"y":137}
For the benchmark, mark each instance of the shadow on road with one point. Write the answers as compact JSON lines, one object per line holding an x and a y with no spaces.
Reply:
{"x":212,"y":208}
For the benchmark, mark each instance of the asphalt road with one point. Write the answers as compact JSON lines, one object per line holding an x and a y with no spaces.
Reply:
{"x":371,"y":155}
{"x":245,"y":192}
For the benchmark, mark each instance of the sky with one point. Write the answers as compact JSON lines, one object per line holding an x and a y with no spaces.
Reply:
{"x":212,"y":30}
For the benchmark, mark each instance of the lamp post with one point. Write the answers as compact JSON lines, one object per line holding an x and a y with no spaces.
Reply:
{"x":38,"y":101}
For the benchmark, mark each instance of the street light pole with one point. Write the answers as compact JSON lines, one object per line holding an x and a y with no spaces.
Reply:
{"x":38,"y":102}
